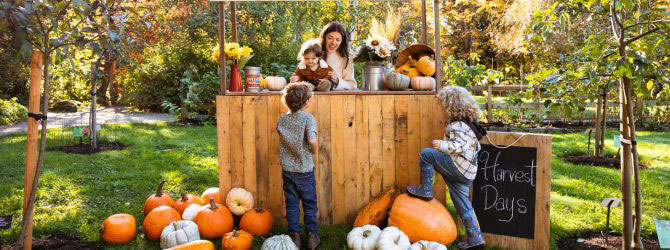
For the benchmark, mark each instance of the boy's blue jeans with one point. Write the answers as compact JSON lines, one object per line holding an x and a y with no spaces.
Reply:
{"x":459,"y":186}
{"x":300,"y":186}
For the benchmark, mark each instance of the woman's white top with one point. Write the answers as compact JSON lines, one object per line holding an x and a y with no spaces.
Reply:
{"x":345,"y":74}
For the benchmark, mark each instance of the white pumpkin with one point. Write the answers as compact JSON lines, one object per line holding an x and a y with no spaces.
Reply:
{"x":279,"y":242}
{"x":191,"y":211}
{"x":427,"y":245}
{"x":392,"y":238}
{"x":422,"y":83}
{"x":363,"y":238}
{"x":275,"y":83}
{"x":239,"y":201}
{"x":179,"y":232}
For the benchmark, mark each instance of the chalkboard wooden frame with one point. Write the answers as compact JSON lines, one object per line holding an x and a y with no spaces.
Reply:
{"x":542,"y":193}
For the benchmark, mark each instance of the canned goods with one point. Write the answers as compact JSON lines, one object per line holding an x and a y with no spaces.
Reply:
{"x":253,"y":78}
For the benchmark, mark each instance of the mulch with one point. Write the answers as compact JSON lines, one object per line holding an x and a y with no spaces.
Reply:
{"x":610,"y":162}
{"x":56,"y":243}
{"x":86,"y":149}
{"x":596,"y":240}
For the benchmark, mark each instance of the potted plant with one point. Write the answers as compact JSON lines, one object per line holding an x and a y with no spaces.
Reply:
{"x":236,"y":56}
{"x":376,"y":51}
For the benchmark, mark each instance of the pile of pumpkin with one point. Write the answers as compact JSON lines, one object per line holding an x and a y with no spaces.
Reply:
{"x":411,"y":223}
{"x":182,"y":224}
{"x":410,"y":72}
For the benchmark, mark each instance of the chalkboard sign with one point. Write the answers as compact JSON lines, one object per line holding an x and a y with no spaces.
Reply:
{"x":504,"y":190}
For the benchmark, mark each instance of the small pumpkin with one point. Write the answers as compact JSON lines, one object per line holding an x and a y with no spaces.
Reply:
{"x":185,"y":201}
{"x":157,"y":220}
{"x":422,"y":83}
{"x":239,"y":201}
{"x":411,"y":72}
{"x":195,"y":245}
{"x":158,"y":199}
{"x":396,"y":81}
{"x":279,"y":242}
{"x":409,"y":215}
{"x":391,"y":238}
{"x":257,"y":222}
{"x":375,"y":212}
{"x":237,"y":240}
{"x":118,"y":229}
{"x":214,"y":220}
{"x":363,"y":238}
{"x":426,"y":65}
{"x":403,"y":68}
{"x":179,"y":232}
{"x":427,"y":245}
{"x":275,"y":83}
{"x":191,"y":211}
{"x":211,"y":193}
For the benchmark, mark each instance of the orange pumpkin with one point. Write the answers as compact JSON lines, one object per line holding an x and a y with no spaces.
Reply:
{"x":237,"y":240}
{"x":422,"y":220}
{"x":211,"y":193}
{"x":118,"y":229}
{"x":214,"y":220}
{"x":194,"y":245}
{"x":158,"y":219}
{"x":257,"y":221}
{"x":375,"y":212}
{"x":158,"y":199}
{"x":185,"y":201}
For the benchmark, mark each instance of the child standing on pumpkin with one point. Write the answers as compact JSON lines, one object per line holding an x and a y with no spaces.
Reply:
{"x":313,"y":69}
{"x":455,"y":158}
{"x":297,"y":146}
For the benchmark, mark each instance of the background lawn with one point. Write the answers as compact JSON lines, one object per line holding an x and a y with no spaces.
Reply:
{"x":78,"y":191}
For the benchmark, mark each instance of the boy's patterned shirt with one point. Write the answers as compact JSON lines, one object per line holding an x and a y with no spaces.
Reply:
{"x":461,"y":143}
{"x":295,"y":130}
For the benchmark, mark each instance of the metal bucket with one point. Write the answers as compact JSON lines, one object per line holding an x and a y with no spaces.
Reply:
{"x":373,"y":77}
{"x":252,"y":78}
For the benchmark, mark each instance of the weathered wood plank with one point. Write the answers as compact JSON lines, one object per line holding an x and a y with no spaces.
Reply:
{"x":350,"y":168}
{"x":237,"y":166}
{"x":337,"y":123}
{"x":439,"y":189}
{"x":388,"y":141}
{"x":249,"y":104}
{"x":401,"y":145}
{"x":413,"y":139}
{"x":276,"y":195}
{"x":362,"y":153}
{"x":223,"y":142}
{"x":262,"y":148}
{"x":376,"y":146}
{"x":324,"y":177}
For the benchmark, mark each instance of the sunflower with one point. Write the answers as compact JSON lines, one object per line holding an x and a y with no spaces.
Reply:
{"x":231,"y":49}
{"x":216,"y":53}
{"x":244,"y":51}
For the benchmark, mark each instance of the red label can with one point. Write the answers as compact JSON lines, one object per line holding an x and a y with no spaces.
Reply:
{"x":253,"y":78}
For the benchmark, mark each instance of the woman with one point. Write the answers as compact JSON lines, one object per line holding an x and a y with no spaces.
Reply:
{"x":335,"y":42}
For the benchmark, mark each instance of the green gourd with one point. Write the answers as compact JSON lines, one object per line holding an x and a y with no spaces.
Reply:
{"x":397,"y":81}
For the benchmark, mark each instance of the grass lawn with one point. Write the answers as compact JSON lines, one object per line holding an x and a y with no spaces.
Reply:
{"x":78,"y":191}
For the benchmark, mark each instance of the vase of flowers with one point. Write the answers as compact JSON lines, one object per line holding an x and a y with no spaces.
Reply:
{"x":236,"y":56}
{"x":377,"y":51}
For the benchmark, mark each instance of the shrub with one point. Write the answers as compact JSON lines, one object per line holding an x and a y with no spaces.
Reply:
{"x":11,"y":111}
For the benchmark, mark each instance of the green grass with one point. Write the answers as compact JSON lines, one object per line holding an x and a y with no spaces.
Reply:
{"x":78,"y":191}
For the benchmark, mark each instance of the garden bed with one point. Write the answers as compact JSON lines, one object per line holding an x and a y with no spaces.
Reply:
{"x":56,"y":243}
{"x":596,"y":240}
{"x":86,"y":148}
{"x":610,"y":162}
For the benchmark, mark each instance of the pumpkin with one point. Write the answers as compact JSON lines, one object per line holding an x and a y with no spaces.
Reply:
{"x":118,"y":229}
{"x":363,"y":238}
{"x":422,"y":83}
{"x":403,"y":68}
{"x":427,"y":245}
{"x":191,"y":211}
{"x":392,"y":238}
{"x":195,"y":245}
{"x":158,"y":219}
{"x":257,"y":222}
{"x":275,"y":83}
{"x":237,"y":240}
{"x":210,"y":193}
{"x":422,"y":220}
{"x":425,"y":65}
{"x":185,"y":201}
{"x":179,"y":232}
{"x":375,"y":212}
{"x":279,"y":242}
{"x":239,"y":201}
{"x":411,"y":72}
{"x":396,"y":81}
{"x":214,"y":220}
{"x":158,"y":199}
{"x":264,"y":83}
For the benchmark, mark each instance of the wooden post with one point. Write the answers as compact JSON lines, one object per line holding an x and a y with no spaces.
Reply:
{"x":31,"y":145}
{"x":489,"y":103}
{"x":233,"y":20}
{"x":438,"y":50}
{"x":424,"y":25}
{"x":222,"y":55}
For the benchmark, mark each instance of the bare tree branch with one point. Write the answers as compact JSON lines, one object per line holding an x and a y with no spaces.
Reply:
{"x":643,"y":23}
{"x":641,"y":35}
{"x":614,"y":20}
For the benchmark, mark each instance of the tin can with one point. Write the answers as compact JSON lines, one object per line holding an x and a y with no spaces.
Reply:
{"x":252,"y":78}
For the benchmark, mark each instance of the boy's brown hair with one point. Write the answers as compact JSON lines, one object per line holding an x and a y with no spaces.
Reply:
{"x":296,"y":95}
{"x":314,"y":48}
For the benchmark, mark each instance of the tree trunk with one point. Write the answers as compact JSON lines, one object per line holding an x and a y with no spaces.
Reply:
{"x":603,"y":130}
{"x":183,"y":115}
{"x":626,"y":161}
{"x":91,"y":128}
{"x":637,"y":227}
{"x":113,"y":90}
{"x":597,"y":147}
{"x":104,"y":85}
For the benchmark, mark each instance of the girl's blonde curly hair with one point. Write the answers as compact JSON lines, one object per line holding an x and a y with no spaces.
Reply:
{"x":459,"y":104}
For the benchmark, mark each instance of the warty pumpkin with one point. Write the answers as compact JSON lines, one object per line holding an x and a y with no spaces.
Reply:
{"x":158,"y":199}
{"x":237,"y":240}
{"x":118,"y":229}
{"x":392,"y":238}
{"x":422,"y":220}
{"x":191,"y":211}
{"x":279,"y":242}
{"x":157,"y":220}
{"x":239,"y":201}
{"x":375,"y":212}
{"x":210,"y":193}
{"x":185,"y":201}
{"x":427,"y":245}
{"x":257,"y":222}
{"x":179,"y":232}
{"x":195,"y":245}
{"x":363,"y":238}
{"x":214,"y":220}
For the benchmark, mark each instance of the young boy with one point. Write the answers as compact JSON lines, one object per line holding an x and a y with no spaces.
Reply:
{"x":455,"y":158}
{"x":297,"y":146}
{"x":313,"y":69}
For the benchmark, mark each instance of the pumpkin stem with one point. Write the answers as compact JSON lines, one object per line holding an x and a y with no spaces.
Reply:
{"x":159,"y":191}
{"x":259,"y":209}
{"x":184,"y":198}
{"x":366,"y":233}
{"x":212,"y":204}
{"x":235,"y":233}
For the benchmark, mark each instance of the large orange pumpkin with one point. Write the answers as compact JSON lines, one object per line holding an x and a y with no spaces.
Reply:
{"x":158,"y":199}
{"x":237,"y":240}
{"x":211,"y":193}
{"x":158,"y":219}
{"x":194,"y":245}
{"x":214,"y":220}
{"x":375,"y":212}
{"x":257,"y":222}
{"x":422,"y":220}
{"x":185,"y":201}
{"x":118,"y":229}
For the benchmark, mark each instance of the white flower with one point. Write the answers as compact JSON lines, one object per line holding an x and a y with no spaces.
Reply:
{"x":373,"y":42}
{"x":382,"y":52}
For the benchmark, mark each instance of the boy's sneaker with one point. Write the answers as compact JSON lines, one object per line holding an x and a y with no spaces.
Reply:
{"x":313,"y":240}
{"x":296,"y":239}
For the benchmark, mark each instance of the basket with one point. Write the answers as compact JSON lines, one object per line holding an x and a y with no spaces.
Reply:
{"x":413,"y":50}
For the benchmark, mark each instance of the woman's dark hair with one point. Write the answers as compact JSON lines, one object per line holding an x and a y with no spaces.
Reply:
{"x":314,"y":48}
{"x":296,"y":95}
{"x":343,"y":50}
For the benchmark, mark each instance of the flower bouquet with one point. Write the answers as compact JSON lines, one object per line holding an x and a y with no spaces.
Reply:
{"x":381,"y":41}
{"x":236,"y":57}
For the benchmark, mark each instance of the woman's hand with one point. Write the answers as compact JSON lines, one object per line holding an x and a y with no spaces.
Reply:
{"x":436,"y":144}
